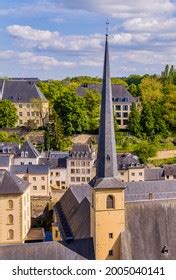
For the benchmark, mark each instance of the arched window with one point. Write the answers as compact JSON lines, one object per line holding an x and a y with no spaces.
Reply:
{"x":10,"y":234}
{"x":26,"y":154}
{"x":110,"y":202}
{"x":10,"y":219}
{"x":10,"y":204}
{"x":22,"y":154}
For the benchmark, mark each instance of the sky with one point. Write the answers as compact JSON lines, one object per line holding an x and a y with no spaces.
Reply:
{"x":54,"y":39}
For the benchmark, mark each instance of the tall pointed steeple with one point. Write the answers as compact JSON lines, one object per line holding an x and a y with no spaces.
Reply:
{"x":106,"y":171}
{"x":107,"y":160}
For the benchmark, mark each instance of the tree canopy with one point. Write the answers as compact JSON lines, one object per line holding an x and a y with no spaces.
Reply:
{"x":8,"y":114}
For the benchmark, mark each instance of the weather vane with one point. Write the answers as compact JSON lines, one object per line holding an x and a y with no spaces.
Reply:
{"x":107,"y":30}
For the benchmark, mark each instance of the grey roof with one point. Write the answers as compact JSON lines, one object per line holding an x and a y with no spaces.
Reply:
{"x":170,"y":169}
{"x":160,"y":189}
{"x":106,"y":166}
{"x":30,"y":169}
{"x":4,"y":160}
{"x":58,"y":154}
{"x":107,"y":183}
{"x":11,"y":184}
{"x":28,"y":147}
{"x":83,"y":247}
{"x":21,"y":91}
{"x":73,"y":213}
{"x":54,"y":163}
{"x":153,"y":174}
{"x":9,"y":148}
{"x":38,"y":251}
{"x":119,"y":92}
{"x":124,"y":161}
{"x":81,"y":151}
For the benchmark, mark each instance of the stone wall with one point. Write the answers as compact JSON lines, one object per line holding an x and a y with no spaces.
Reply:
{"x":165,"y":154}
{"x":38,"y":205}
{"x":150,"y":225}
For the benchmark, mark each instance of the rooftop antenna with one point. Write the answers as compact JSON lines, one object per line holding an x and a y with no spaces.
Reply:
{"x":107,"y":29}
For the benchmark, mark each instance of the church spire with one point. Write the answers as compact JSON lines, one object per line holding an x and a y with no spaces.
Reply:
{"x":107,"y":160}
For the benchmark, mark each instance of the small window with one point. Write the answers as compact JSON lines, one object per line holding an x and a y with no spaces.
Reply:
{"x":43,"y":178}
{"x":57,"y":173}
{"x":110,"y":203}
{"x":118,"y":108}
{"x":110,"y":252}
{"x":20,"y":114}
{"x":51,"y":173}
{"x":125,"y":122}
{"x":140,"y":173}
{"x":111,"y":235}
{"x":43,"y":187}
{"x":56,"y":234}
{"x":77,"y":163}
{"x":108,"y":158}
{"x":10,"y":219}
{"x":63,"y":182}
{"x":72,"y":179}
{"x":72,"y":171}
{"x":34,"y":188}
{"x":34,"y":178}
{"x":83,"y":179}
{"x":10,"y":204}
{"x":125,"y":115}
{"x":167,"y":176}
{"x":122,"y":173}
{"x":72,"y":163}
{"x":78,"y":179}
{"x":28,"y":114}
{"x":88,"y":179}
{"x":132,"y":174}
{"x":150,"y":195}
{"x":26,"y":154}
{"x":10,"y":234}
{"x":118,"y":114}
{"x":20,"y":105}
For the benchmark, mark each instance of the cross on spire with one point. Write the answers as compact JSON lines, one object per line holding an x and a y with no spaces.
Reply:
{"x":107,"y":29}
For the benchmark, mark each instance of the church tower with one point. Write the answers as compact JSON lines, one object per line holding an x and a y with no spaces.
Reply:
{"x":108,"y":216}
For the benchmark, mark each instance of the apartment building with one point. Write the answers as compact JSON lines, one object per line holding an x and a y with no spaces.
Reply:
{"x":32,"y":107}
{"x":15,"y":215}
{"x":122,"y":101}
{"x":80,"y":164}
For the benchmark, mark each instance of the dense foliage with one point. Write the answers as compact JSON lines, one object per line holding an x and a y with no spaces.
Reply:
{"x":8,"y":114}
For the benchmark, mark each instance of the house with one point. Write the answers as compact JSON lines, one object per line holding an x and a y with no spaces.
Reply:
{"x":32,"y":107}
{"x":15,"y":208}
{"x":122,"y":101}
{"x":27,"y":154}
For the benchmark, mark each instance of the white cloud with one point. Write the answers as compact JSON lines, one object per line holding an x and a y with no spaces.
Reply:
{"x":123,"y":8}
{"x":33,"y":60}
{"x":45,"y":39}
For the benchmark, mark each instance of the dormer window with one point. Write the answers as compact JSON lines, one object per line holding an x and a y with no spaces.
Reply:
{"x":26,"y":154}
{"x":108,"y":158}
{"x":22,"y":154}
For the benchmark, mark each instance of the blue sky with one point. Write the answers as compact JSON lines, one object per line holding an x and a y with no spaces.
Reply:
{"x":60,"y":38}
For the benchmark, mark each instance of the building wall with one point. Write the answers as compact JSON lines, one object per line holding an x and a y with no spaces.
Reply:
{"x":122,"y":111}
{"x":59,"y":178}
{"x":25,"y":161}
{"x":131,"y":174}
{"x":40,"y":184}
{"x":80,"y":171}
{"x":108,"y":224}
{"x":21,"y":217}
{"x":32,"y":112}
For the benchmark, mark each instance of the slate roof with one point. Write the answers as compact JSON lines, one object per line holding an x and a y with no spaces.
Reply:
{"x":81,"y":151}
{"x":54,"y":162}
{"x":30,"y":169}
{"x":21,"y":91}
{"x":4,"y":160}
{"x":11,"y":184}
{"x":73,"y":212}
{"x":28,"y":147}
{"x":170,"y":169}
{"x":153,"y":174}
{"x":160,"y":189}
{"x":119,"y":92}
{"x":107,"y":183}
{"x":83,"y":247}
{"x":38,"y":251}
{"x":124,"y":161}
{"x":9,"y":148}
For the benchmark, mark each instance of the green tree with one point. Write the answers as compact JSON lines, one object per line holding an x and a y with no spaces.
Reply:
{"x":8,"y":114}
{"x":145,"y":150}
{"x":134,"y":122}
{"x":133,"y":89}
{"x":7,"y":137}
{"x":147,"y":120}
{"x":151,"y":90}
{"x":92,"y":106}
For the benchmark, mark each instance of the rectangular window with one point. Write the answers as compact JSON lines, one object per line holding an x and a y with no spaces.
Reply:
{"x":83,"y":179}
{"x":30,"y":162}
{"x":88,"y":179}
{"x":28,"y":114}
{"x":119,"y":122}
{"x":125,"y":115}
{"x":51,"y":173}
{"x":56,"y":234}
{"x":118,"y":108}
{"x":43,"y":187}
{"x":57,"y":174}
{"x":77,"y":171}
{"x":122,"y":173}
{"x":125,"y":107}
{"x":83,"y":171}
{"x":140,"y":173}
{"x":63,"y":182}
{"x":77,"y":179}
{"x":72,"y":171}
{"x":132,"y":174}
{"x":20,"y":113}
{"x":118,"y":114}
{"x":51,"y":181}
{"x":34,"y":178}
{"x":88,"y":163}
{"x":72,"y":163}
{"x":33,"y":114}
{"x":72,"y":179}
{"x":20,"y":106}
{"x":111,"y":235}
{"x":88,"y":171}
{"x":28,"y":105}
{"x":77,"y":163}
{"x":125,"y":122}
{"x":34,"y":188}
{"x":110,"y":252}
{"x":83,"y":163}
{"x":43,"y":178}
{"x":20,"y":121}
